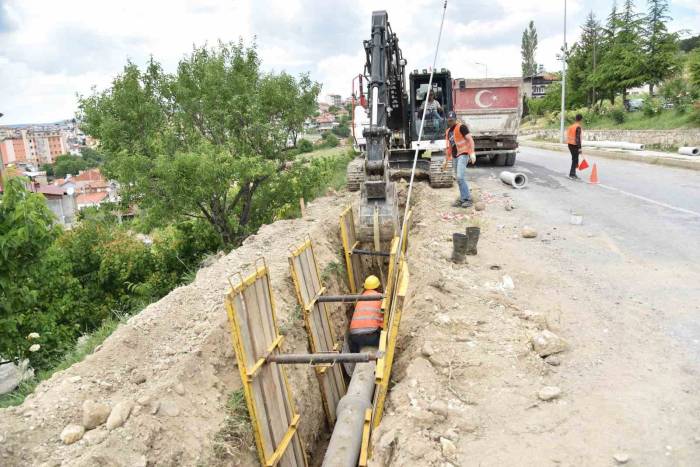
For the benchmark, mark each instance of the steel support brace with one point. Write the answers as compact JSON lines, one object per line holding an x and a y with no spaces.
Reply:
{"x":326,"y":357}
{"x":358,"y":251}
{"x":348,"y":298}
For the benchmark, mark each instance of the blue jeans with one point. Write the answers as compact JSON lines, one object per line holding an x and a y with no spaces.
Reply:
{"x":460,"y":167}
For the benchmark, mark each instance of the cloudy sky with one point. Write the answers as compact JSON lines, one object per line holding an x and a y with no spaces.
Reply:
{"x":50,"y":50}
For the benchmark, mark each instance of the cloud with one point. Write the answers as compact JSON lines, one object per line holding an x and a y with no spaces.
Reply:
{"x":49,"y":51}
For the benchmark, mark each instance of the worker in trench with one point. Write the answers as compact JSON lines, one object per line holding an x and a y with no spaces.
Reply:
{"x":459,"y":147}
{"x":367,"y":319}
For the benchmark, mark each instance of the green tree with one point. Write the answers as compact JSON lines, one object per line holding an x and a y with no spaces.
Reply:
{"x":203,"y":142}
{"x":694,"y":69}
{"x":660,"y":47}
{"x":341,"y":130}
{"x":528,"y":48}
{"x":27,"y":230}
{"x":66,"y":164}
{"x":582,"y":63}
{"x":621,"y":66}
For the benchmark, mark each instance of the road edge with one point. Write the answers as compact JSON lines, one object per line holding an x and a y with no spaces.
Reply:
{"x":619,"y":155}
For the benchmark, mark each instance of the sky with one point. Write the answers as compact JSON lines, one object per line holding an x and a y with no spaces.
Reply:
{"x":51,"y":51}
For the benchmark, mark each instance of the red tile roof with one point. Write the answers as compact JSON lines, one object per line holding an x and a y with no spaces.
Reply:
{"x":47,"y":190}
{"x":90,"y":198}
{"x":88,"y":175}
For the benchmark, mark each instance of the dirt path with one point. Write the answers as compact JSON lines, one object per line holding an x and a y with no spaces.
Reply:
{"x":467,"y":379}
{"x":174,"y":362}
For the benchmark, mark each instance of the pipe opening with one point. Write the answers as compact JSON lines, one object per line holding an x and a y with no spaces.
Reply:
{"x":520,"y":180}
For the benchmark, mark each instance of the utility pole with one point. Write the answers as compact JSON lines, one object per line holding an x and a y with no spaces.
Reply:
{"x":563,"y":80}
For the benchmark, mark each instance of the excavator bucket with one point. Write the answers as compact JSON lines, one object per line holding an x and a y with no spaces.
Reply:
{"x":379,"y":217}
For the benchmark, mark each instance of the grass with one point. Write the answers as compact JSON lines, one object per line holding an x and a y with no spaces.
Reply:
{"x":236,"y":435}
{"x":78,"y":353}
{"x":333,"y":269}
{"x":666,"y":120}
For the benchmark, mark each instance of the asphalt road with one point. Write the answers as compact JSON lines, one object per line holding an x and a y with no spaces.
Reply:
{"x":627,"y":282}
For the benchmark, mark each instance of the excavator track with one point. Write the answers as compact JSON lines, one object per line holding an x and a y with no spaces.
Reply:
{"x":439,"y":177}
{"x":355,"y":174}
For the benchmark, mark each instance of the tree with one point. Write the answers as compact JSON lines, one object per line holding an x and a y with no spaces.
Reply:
{"x":660,"y":47}
{"x":202,"y":142}
{"x":621,"y":67}
{"x":527,"y":51}
{"x":689,"y":43}
{"x":582,"y":63}
{"x":27,"y":230}
{"x":694,"y":69}
{"x":66,"y":164}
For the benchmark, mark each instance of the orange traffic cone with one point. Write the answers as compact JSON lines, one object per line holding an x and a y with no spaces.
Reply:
{"x":594,"y":174}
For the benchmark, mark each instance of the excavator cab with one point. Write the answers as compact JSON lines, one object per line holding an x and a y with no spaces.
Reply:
{"x":435,"y":122}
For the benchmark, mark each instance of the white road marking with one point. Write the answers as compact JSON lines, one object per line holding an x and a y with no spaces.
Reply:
{"x":649,"y":200}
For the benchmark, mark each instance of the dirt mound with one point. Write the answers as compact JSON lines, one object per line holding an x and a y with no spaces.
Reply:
{"x":174,"y":362}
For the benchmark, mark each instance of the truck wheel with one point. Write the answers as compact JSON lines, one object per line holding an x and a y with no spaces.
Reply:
{"x":440,"y":178}
{"x":499,"y":160}
{"x":355,"y":174}
{"x":510,"y":160}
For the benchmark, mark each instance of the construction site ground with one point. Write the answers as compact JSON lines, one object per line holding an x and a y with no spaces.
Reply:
{"x":466,"y":379}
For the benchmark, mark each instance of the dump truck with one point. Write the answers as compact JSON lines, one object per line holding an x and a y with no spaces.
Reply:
{"x":491,"y":108}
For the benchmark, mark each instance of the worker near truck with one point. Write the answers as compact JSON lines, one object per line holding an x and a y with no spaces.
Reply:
{"x":573,"y":140}
{"x":368,"y":318}
{"x":459,"y":147}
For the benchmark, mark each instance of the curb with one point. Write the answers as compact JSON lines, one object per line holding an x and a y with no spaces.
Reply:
{"x":669,"y":161}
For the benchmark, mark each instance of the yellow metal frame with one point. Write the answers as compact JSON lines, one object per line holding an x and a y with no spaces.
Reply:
{"x":390,"y":279}
{"x":366,"y":431}
{"x":347,"y":248}
{"x":388,"y":344}
{"x":247,"y":375}
{"x":320,"y":369}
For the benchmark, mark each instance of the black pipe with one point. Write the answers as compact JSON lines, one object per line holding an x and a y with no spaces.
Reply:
{"x":358,"y":251}
{"x":329,"y":357}
{"x":348,"y":298}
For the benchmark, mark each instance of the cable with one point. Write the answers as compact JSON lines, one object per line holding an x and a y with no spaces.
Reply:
{"x":415,"y":160}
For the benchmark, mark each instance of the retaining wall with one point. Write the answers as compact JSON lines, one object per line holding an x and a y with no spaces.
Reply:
{"x":680,"y":137}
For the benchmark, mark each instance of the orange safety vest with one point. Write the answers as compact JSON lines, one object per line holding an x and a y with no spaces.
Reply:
{"x":368,"y":316}
{"x":571,"y":134}
{"x":465,"y":144}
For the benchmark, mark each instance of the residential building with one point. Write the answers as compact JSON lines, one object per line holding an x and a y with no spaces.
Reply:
{"x":90,"y":187}
{"x":326,"y":122}
{"x":86,"y":200}
{"x":535,"y":87}
{"x":323,"y":107}
{"x":335,"y":99}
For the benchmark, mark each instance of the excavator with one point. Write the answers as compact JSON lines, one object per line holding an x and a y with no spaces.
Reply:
{"x":391,"y":136}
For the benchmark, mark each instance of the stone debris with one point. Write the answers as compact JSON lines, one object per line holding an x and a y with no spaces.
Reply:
{"x":546,"y":343}
{"x":427,"y":350}
{"x":72,"y":433}
{"x":448,"y":448}
{"x":119,"y":414}
{"x":439,"y":407}
{"x":169,"y":408}
{"x":95,"y":437}
{"x":179,"y":389}
{"x":94,"y":414}
{"x":621,"y":457}
{"x":529,"y":232}
{"x":548,"y":393}
{"x":479,"y":205}
{"x":553,"y":360}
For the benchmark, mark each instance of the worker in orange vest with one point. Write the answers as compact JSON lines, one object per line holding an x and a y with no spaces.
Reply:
{"x":573,"y":139}
{"x":368,"y":319}
{"x":459,"y":147}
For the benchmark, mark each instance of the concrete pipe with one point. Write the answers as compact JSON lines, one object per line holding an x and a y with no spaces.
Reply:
{"x":514,"y":179}
{"x":614,"y":145}
{"x":689,"y":151}
{"x":346,"y":441}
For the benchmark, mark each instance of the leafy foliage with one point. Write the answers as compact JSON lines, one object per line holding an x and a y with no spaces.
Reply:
{"x":528,"y":48}
{"x":202,"y":143}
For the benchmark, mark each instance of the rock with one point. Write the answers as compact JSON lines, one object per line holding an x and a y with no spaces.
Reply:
{"x":507,"y":283}
{"x":427,"y":350}
{"x":621,"y":457}
{"x":120,"y":413}
{"x":180,"y":389}
{"x":439,"y":407}
{"x":143,"y":400}
{"x":546,"y":343}
{"x":529,"y":232}
{"x":75,"y":379}
{"x":95,"y":437}
{"x":448,"y":448}
{"x":137,"y":378}
{"x":548,"y":393}
{"x":94,"y":414}
{"x":155,"y":407}
{"x":479,"y":205}
{"x":72,"y":433}
{"x":553,"y":360}
{"x":169,"y":408}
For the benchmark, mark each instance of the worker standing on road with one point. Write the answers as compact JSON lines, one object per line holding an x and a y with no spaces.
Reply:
{"x":573,"y":139}
{"x":368,"y":319}
{"x":459,"y":147}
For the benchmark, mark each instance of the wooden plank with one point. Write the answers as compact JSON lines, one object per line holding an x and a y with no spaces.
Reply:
{"x":255,"y":335}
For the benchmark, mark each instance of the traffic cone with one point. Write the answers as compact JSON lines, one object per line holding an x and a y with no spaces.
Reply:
{"x":594,"y":174}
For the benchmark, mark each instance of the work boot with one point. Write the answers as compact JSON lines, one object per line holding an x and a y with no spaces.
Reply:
{"x":457,"y":204}
{"x":467,"y":204}
{"x":573,"y":177}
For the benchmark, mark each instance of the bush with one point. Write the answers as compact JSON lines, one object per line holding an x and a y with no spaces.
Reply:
{"x":341,"y":130}
{"x":304,"y":145}
{"x":330,"y":140}
{"x":618,"y":115}
{"x":651,"y":106}
{"x":677,"y":92}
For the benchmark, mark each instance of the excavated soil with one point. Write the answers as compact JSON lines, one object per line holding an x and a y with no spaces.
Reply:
{"x":175,"y":362}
